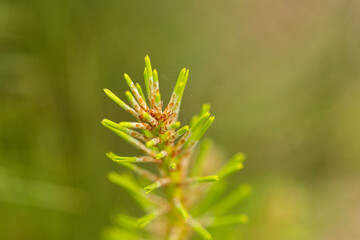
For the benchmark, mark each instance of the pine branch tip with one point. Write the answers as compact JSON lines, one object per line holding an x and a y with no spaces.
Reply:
{"x":172,"y":148}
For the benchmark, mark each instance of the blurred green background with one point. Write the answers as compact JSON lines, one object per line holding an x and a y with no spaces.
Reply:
{"x":283,"y":78}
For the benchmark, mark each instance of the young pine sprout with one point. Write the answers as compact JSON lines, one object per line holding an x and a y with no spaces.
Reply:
{"x":178,"y":201}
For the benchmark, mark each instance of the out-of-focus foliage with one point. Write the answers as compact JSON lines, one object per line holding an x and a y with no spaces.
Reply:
{"x":283,"y":78}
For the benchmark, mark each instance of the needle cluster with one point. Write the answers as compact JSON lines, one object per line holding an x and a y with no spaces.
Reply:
{"x":172,"y":148}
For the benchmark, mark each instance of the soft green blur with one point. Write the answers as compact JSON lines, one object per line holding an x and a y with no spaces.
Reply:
{"x":283,"y":78}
